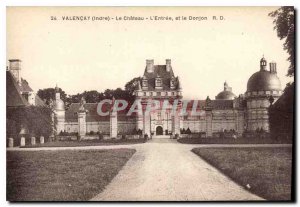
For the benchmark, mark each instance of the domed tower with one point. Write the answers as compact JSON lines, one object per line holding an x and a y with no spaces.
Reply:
{"x":262,"y":87}
{"x":226,"y":94}
{"x":59,"y":110}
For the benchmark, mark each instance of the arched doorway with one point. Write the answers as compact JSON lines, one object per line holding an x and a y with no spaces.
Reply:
{"x":159,"y":130}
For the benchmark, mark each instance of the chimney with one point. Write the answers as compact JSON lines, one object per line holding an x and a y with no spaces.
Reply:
{"x":273,"y":67}
{"x":150,"y":66}
{"x":15,"y":69}
{"x":168,"y":65}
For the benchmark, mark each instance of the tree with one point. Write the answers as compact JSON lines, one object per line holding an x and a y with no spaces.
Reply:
{"x":36,"y":119}
{"x":91,"y":96}
{"x":284,"y":21}
{"x":130,"y":86}
{"x":49,"y":93}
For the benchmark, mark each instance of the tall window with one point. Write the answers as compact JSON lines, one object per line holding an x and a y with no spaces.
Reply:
{"x":158,"y":82}
{"x":159,"y":116}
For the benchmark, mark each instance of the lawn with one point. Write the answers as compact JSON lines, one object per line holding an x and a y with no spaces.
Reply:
{"x":268,"y":171}
{"x":240,"y":140}
{"x":73,"y":175}
{"x":95,"y":142}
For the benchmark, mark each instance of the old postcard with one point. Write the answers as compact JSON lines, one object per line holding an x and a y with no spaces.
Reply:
{"x":150,"y":103}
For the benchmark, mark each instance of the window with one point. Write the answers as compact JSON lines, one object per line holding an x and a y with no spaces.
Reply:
{"x":158,"y":82}
{"x":172,"y":83}
{"x":158,"y":94}
{"x":151,"y":94}
{"x":173,"y":93}
{"x":159,"y":116}
{"x":145,"y":82}
{"x":145,"y":94}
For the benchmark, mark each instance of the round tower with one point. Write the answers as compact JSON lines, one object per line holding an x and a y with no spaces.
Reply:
{"x":226,"y":94}
{"x":262,"y":87}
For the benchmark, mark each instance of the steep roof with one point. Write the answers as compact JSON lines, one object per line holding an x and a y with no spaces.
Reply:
{"x":161,"y":72}
{"x":39,"y":101}
{"x":13,"y":94}
{"x":24,"y":87}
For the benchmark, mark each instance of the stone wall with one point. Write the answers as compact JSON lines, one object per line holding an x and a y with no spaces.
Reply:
{"x":126,"y":127}
{"x":218,"y":121}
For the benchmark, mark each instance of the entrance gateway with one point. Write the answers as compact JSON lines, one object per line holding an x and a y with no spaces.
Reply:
{"x":159,"y":130}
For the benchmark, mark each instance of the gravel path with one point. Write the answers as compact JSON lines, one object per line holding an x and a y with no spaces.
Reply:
{"x":164,"y":170}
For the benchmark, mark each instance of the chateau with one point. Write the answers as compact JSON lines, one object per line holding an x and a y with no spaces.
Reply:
{"x":19,"y":93}
{"x":227,"y":112}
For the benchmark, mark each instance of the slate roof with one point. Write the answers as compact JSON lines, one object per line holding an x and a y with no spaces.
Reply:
{"x":24,"y":87}
{"x":161,"y":71}
{"x":225,"y":95}
{"x":216,"y":104}
{"x":222,"y":104}
{"x":263,"y":81}
{"x":13,"y":93}
{"x":92,"y":114}
{"x":39,"y":101}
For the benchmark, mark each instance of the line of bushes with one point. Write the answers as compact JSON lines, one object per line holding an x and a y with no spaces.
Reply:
{"x":35,"y":121}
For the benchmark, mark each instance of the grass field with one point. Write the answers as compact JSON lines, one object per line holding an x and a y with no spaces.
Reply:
{"x":95,"y":142}
{"x":240,"y":140}
{"x":266,"y":170}
{"x":71,"y":175}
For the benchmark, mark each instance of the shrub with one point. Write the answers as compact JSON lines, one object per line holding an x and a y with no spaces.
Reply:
{"x":188,"y":131}
{"x":140,"y":132}
{"x":36,"y":119}
{"x":100,"y":136}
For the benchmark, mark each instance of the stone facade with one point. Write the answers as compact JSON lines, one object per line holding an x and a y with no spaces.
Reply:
{"x":228,"y":112}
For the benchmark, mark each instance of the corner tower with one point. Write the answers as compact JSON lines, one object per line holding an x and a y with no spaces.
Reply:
{"x":262,"y":87}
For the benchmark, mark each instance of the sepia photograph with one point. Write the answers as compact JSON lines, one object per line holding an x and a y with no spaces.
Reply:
{"x":150,"y":104}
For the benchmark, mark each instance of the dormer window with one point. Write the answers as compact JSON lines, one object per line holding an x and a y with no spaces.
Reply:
{"x":145,"y":83}
{"x":158,"y":82}
{"x":172,"y":83}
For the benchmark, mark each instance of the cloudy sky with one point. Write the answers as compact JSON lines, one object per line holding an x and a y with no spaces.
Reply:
{"x":96,"y":55}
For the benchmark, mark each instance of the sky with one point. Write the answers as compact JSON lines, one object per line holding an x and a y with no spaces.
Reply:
{"x":96,"y":55}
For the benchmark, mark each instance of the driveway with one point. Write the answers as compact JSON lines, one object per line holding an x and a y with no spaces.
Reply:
{"x":164,"y":170}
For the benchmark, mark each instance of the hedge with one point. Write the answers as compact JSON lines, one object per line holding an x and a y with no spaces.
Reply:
{"x":35,"y":119}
